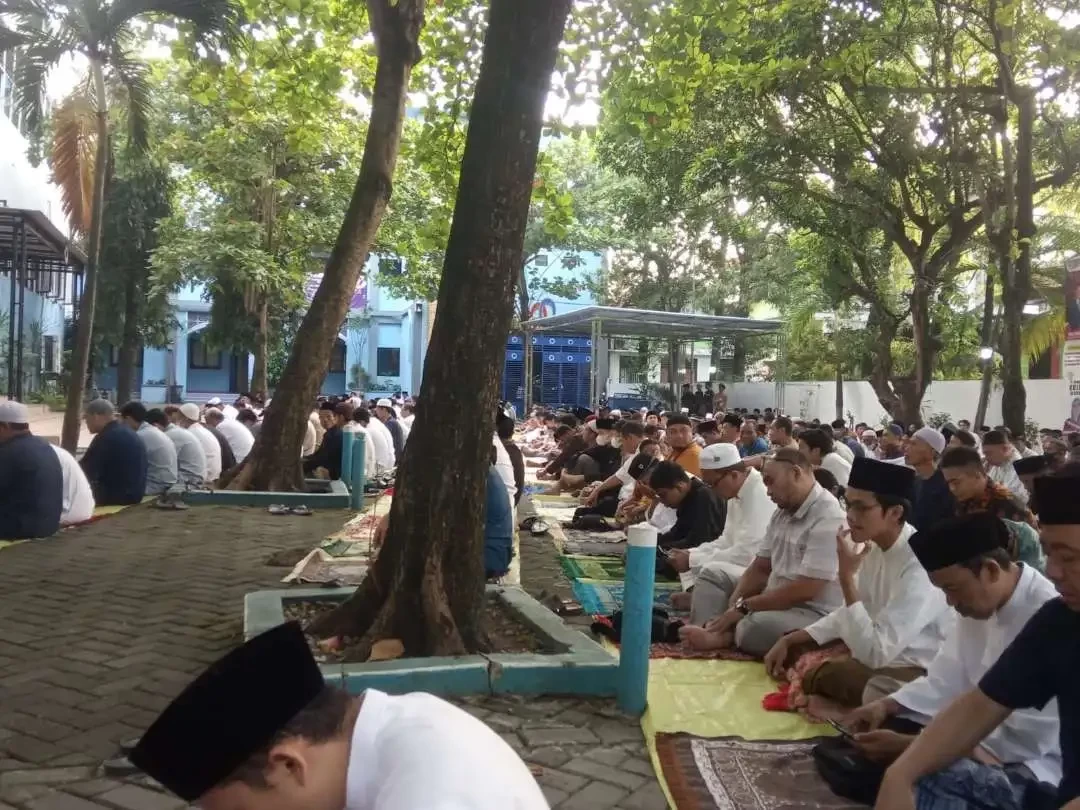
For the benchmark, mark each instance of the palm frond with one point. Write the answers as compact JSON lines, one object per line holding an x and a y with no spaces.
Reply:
{"x":36,"y":59}
{"x":1042,"y":332}
{"x":215,"y":21}
{"x":10,"y":39}
{"x":135,"y":77}
{"x":72,"y":157}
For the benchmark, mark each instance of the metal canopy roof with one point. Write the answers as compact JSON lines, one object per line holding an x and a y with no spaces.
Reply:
{"x":619,"y":321}
{"x":45,"y":244}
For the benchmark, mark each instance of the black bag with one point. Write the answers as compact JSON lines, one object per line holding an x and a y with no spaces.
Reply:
{"x":850,"y":775}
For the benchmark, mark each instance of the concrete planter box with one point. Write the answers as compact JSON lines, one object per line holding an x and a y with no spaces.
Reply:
{"x":578,"y":665}
{"x":323,"y":495}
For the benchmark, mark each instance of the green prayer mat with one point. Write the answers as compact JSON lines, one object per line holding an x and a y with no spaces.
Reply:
{"x":601,"y":568}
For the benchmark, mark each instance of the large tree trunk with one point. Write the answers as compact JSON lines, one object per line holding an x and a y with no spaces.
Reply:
{"x":274,"y":462}
{"x":84,"y":330}
{"x":129,"y":343}
{"x":427,"y":584}
{"x":1016,"y":293}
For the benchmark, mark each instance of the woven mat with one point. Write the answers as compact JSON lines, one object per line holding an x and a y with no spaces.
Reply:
{"x":605,"y":598}
{"x":738,"y":774}
{"x":612,"y":538}
{"x":586,"y":567}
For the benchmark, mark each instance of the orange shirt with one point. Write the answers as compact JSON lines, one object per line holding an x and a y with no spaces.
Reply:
{"x":689,"y":458}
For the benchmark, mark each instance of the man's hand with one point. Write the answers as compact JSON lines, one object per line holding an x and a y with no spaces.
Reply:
{"x":592,"y":496}
{"x":882,"y":745}
{"x":680,"y":560}
{"x":543,"y":476}
{"x":848,"y":558}
{"x":725,"y":622}
{"x":868,"y":717}
{"x":776,"y":658}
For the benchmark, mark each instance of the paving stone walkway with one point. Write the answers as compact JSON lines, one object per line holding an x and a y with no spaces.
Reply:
{"x":101,"y":626}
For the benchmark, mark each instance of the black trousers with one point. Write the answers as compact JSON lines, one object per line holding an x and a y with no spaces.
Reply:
{"x":606,"y":506}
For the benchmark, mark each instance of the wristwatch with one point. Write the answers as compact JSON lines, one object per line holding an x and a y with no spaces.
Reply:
{"x":742,"y":607}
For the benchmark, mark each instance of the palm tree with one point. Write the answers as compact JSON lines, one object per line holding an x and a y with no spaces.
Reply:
{"x":42,"y":33}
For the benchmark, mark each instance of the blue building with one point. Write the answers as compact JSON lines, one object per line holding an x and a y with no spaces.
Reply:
{"x":379,"y":349}
{"x":561,"y":364}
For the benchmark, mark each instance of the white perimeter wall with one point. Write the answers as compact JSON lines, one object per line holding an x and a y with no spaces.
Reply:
{"x":1047,"y":400}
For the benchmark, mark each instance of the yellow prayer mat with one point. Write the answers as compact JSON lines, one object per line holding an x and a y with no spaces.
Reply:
{"x":715,"y":699}
{"x":557,"y":499}
{"x":9,"y":543}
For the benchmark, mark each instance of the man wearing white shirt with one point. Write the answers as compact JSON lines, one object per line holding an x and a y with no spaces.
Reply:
{"x":235,"y":741}
{"x":823,"y":451}
{"x":78,"y":503}
{"x":190,"y":457}
{"x":967,"y":558}
{"x":1000,"y":456}
{"x":235,"y":432}
{"x":187,"y":417}
{"x":893,"y":619}
{"x":380,"y":447}
{"x":606,"y":498}
{"x":749,"y":510}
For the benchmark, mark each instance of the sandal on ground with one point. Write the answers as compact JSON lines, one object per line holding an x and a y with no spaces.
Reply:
{"x":278,"y":509}
{"x":539,"y":527}
{"x":301,"y":510}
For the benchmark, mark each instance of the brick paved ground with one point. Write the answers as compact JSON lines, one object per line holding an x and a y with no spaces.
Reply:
{"x":102,"y":625}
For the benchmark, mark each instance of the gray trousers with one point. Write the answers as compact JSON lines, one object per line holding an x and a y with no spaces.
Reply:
{"x":758,"y":632}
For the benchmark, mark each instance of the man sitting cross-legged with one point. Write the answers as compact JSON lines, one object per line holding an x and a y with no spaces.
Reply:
{"x":749,"y":510}
{"x":606,"y":498}
{"x":1036,"y":670}
{"x":893,"y":619}
{"x":966,"y":557}
{"x":792,"y":581}
{"x":699,"y":514}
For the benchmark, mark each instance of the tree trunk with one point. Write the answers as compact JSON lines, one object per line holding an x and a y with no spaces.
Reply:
{"x":129,"y":343}
{"x":274,"y":462}
{"x":84,"y":329}
{"x":427,"y":584}
{"x":1016,"y":293}
{"x":259,"y":385}
{"x":986,"y":334}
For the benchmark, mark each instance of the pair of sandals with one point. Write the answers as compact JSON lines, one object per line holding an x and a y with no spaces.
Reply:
{"x":535,"y":525}
{"x":282,"y":509}
{"x":122,"y":765}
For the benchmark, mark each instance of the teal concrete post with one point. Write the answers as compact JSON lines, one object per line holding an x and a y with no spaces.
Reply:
{"x":356,"y":500}
{"x":633,"y":678}
{"x":347,"y":439}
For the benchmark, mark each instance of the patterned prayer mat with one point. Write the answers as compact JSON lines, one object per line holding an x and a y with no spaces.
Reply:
{"x":347,"y":548}
{"x":588,"y":548}
{"x":584,"y":567}
{"x":612,"y":538}
{"x":738,"y":774}
{"x":605,"y":598}
{"x":661,"y":650}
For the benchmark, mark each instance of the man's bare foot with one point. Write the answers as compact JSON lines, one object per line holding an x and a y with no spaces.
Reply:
{"x":699,"y":638}
{"x":682,"y":600}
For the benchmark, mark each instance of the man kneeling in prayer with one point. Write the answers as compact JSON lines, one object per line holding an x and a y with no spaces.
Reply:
{"x":967,"y":558}
{"x":792,"y":581}
{"x":260,"y":729}
{"x":893,"y":620}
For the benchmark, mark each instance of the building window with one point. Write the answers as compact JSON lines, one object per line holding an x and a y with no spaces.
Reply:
{"x":632,"y":369}
{"x":541,"y":261}
{"x":199,"y":357}
{"x":388,"y":362}
{"x":337,"y":357}
{"x":391,"y":266}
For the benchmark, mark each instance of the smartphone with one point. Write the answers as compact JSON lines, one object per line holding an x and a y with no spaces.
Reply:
{"x":847,"y":735}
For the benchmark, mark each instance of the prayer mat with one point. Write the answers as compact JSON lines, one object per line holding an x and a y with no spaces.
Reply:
{"x":660,"y":649}
{"x":581,"y":535}
{"x":604,"y":598}
{"x":361,"y":527}
{"x":589,"y":548}
{"x":9,"y":543}
{"x":347,"y":548}
{"x":319,"y":568}
{"x":601,"y":568}
{"x":731,"y":772}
